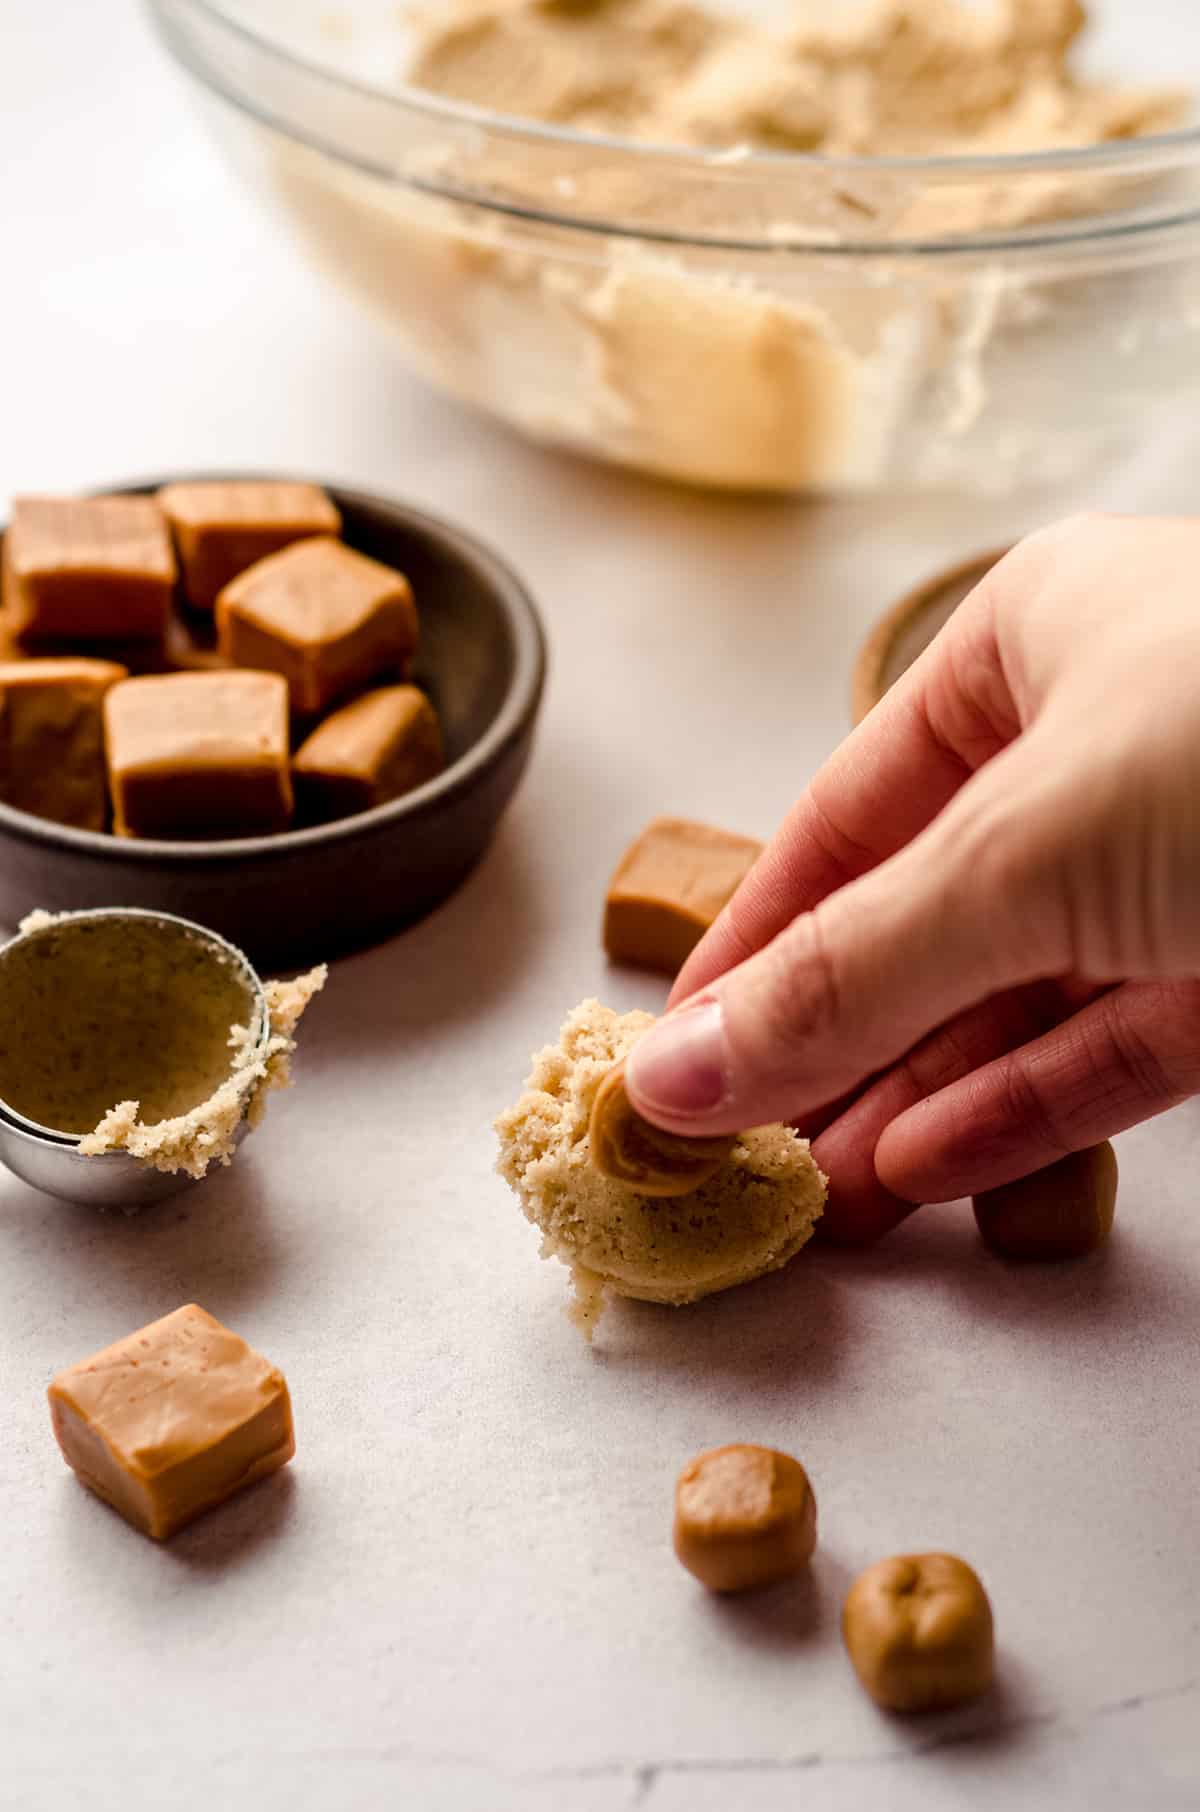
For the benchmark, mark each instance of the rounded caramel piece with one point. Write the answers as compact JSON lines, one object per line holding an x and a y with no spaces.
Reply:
{"x":744,"y":1516}
{"x":1064,"y":1211}
{"x":629,"y":1149}
{"x":918,"y":1628}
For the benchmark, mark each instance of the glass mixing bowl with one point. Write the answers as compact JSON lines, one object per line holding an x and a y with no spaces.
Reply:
{"x":767,"y":322}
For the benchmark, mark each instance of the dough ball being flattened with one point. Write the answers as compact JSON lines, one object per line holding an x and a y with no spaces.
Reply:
{"x":750,"y":1217}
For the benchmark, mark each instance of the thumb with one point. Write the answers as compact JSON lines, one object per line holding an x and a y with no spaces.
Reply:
{"x":972,"y":906}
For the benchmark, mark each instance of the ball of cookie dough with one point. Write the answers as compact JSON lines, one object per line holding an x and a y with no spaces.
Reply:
{"x":1064,"y":1211}
{"x":744,"y":1516}
{"x":751,"y":1216}
{"x":918,"y":1629}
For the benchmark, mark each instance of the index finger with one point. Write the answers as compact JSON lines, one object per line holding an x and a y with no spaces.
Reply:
{"x":950,"y":712}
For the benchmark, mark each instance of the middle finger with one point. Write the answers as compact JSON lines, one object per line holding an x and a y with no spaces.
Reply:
{"x":860,"y":1209}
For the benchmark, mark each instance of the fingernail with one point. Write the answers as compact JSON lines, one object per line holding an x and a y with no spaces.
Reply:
{"x":678,"y":1068}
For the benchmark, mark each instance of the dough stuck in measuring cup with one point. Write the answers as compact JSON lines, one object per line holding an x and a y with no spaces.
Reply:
{"x":138,"y":1032}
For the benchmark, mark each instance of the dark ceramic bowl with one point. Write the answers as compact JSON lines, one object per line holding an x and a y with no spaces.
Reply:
{"x":312,"y":893}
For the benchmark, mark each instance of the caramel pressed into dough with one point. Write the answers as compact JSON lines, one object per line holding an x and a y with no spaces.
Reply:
{"x":631,"y":1150}
{"x":750,"y":1217}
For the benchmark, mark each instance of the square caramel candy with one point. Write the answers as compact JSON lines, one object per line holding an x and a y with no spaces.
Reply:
{"x":328,"y":619}
{"x":88,"y":569}
{"x":668,"y":888}
{"x":52,"y":738}
{"x":199,"y":755}
{"x":374,"y":749}
{"x":172,"y":1420}
{"x":222,"y":527}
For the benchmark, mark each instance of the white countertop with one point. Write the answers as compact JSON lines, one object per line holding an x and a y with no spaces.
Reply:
{"x":462,"y":1594}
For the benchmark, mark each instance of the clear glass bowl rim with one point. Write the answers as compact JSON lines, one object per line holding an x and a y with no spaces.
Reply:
{"x":1157,"y":154}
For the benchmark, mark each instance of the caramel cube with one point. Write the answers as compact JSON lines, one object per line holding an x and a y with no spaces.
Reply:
{"x":328,"y":619}
{"x":374,"y":749}
{"x":221,"y":527}
{"x":199,"y":755}
{"x":190,"y":647}
{"x":88,"y":569}
{"x":668,"y":888}
{"x":172,"y":1420}
{"x":52,"y":738}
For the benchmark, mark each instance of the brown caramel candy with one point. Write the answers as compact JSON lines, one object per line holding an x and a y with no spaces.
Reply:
{"x":52,"y":738}
{"x":328,"y":619}
{"x":918,"y":1629}
{"x":191,"y":647}
{"x":172,"y":1420}
{"x":1064,"y":1211}
{"x":633,"y":1151}
{"x":744,"y":1516}
{"x":223,"y":526}
{"x":372,"y":750}
{"x":668,"y":888}
{"x":88,"y":569}
{"x":199,"y":755}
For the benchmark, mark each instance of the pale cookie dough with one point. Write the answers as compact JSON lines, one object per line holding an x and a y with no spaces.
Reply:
{"x":208,"y":1133}
{"x":748,"y":1219}
{"x":834,"y":370}
{"x":892,"y":77}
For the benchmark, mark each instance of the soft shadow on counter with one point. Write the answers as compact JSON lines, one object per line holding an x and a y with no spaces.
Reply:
{"x":1009,"y":1715}
{"x":785,"y":1616}
{"x":772,"y":535}
{"x":140,"y":1571}
{"x":478,"y":945}
{"x":472,"y":947}
{"x":220,"y":1244}
{"x":767,"y":1334}
{"x":939,"y":1253}
{"x":565,"y":484}
{"x":227,"y":1538}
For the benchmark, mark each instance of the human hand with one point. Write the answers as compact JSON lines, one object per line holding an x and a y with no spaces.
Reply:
{"x":974,"y":944}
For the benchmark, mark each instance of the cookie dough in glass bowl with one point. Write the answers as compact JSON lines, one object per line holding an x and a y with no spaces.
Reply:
{"x":932,"y":243}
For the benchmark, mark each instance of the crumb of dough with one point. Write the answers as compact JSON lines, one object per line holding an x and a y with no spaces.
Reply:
{"x":207,"y":1135}
{"x":38,"y":921}
{"x":589,"y":1293}
{"x":748,"y":1219}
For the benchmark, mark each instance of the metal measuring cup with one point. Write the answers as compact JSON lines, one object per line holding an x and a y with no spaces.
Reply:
{"x":103,"y":1006}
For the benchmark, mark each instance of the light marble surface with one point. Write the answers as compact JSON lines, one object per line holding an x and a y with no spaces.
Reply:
{"x":461,"y":1595}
